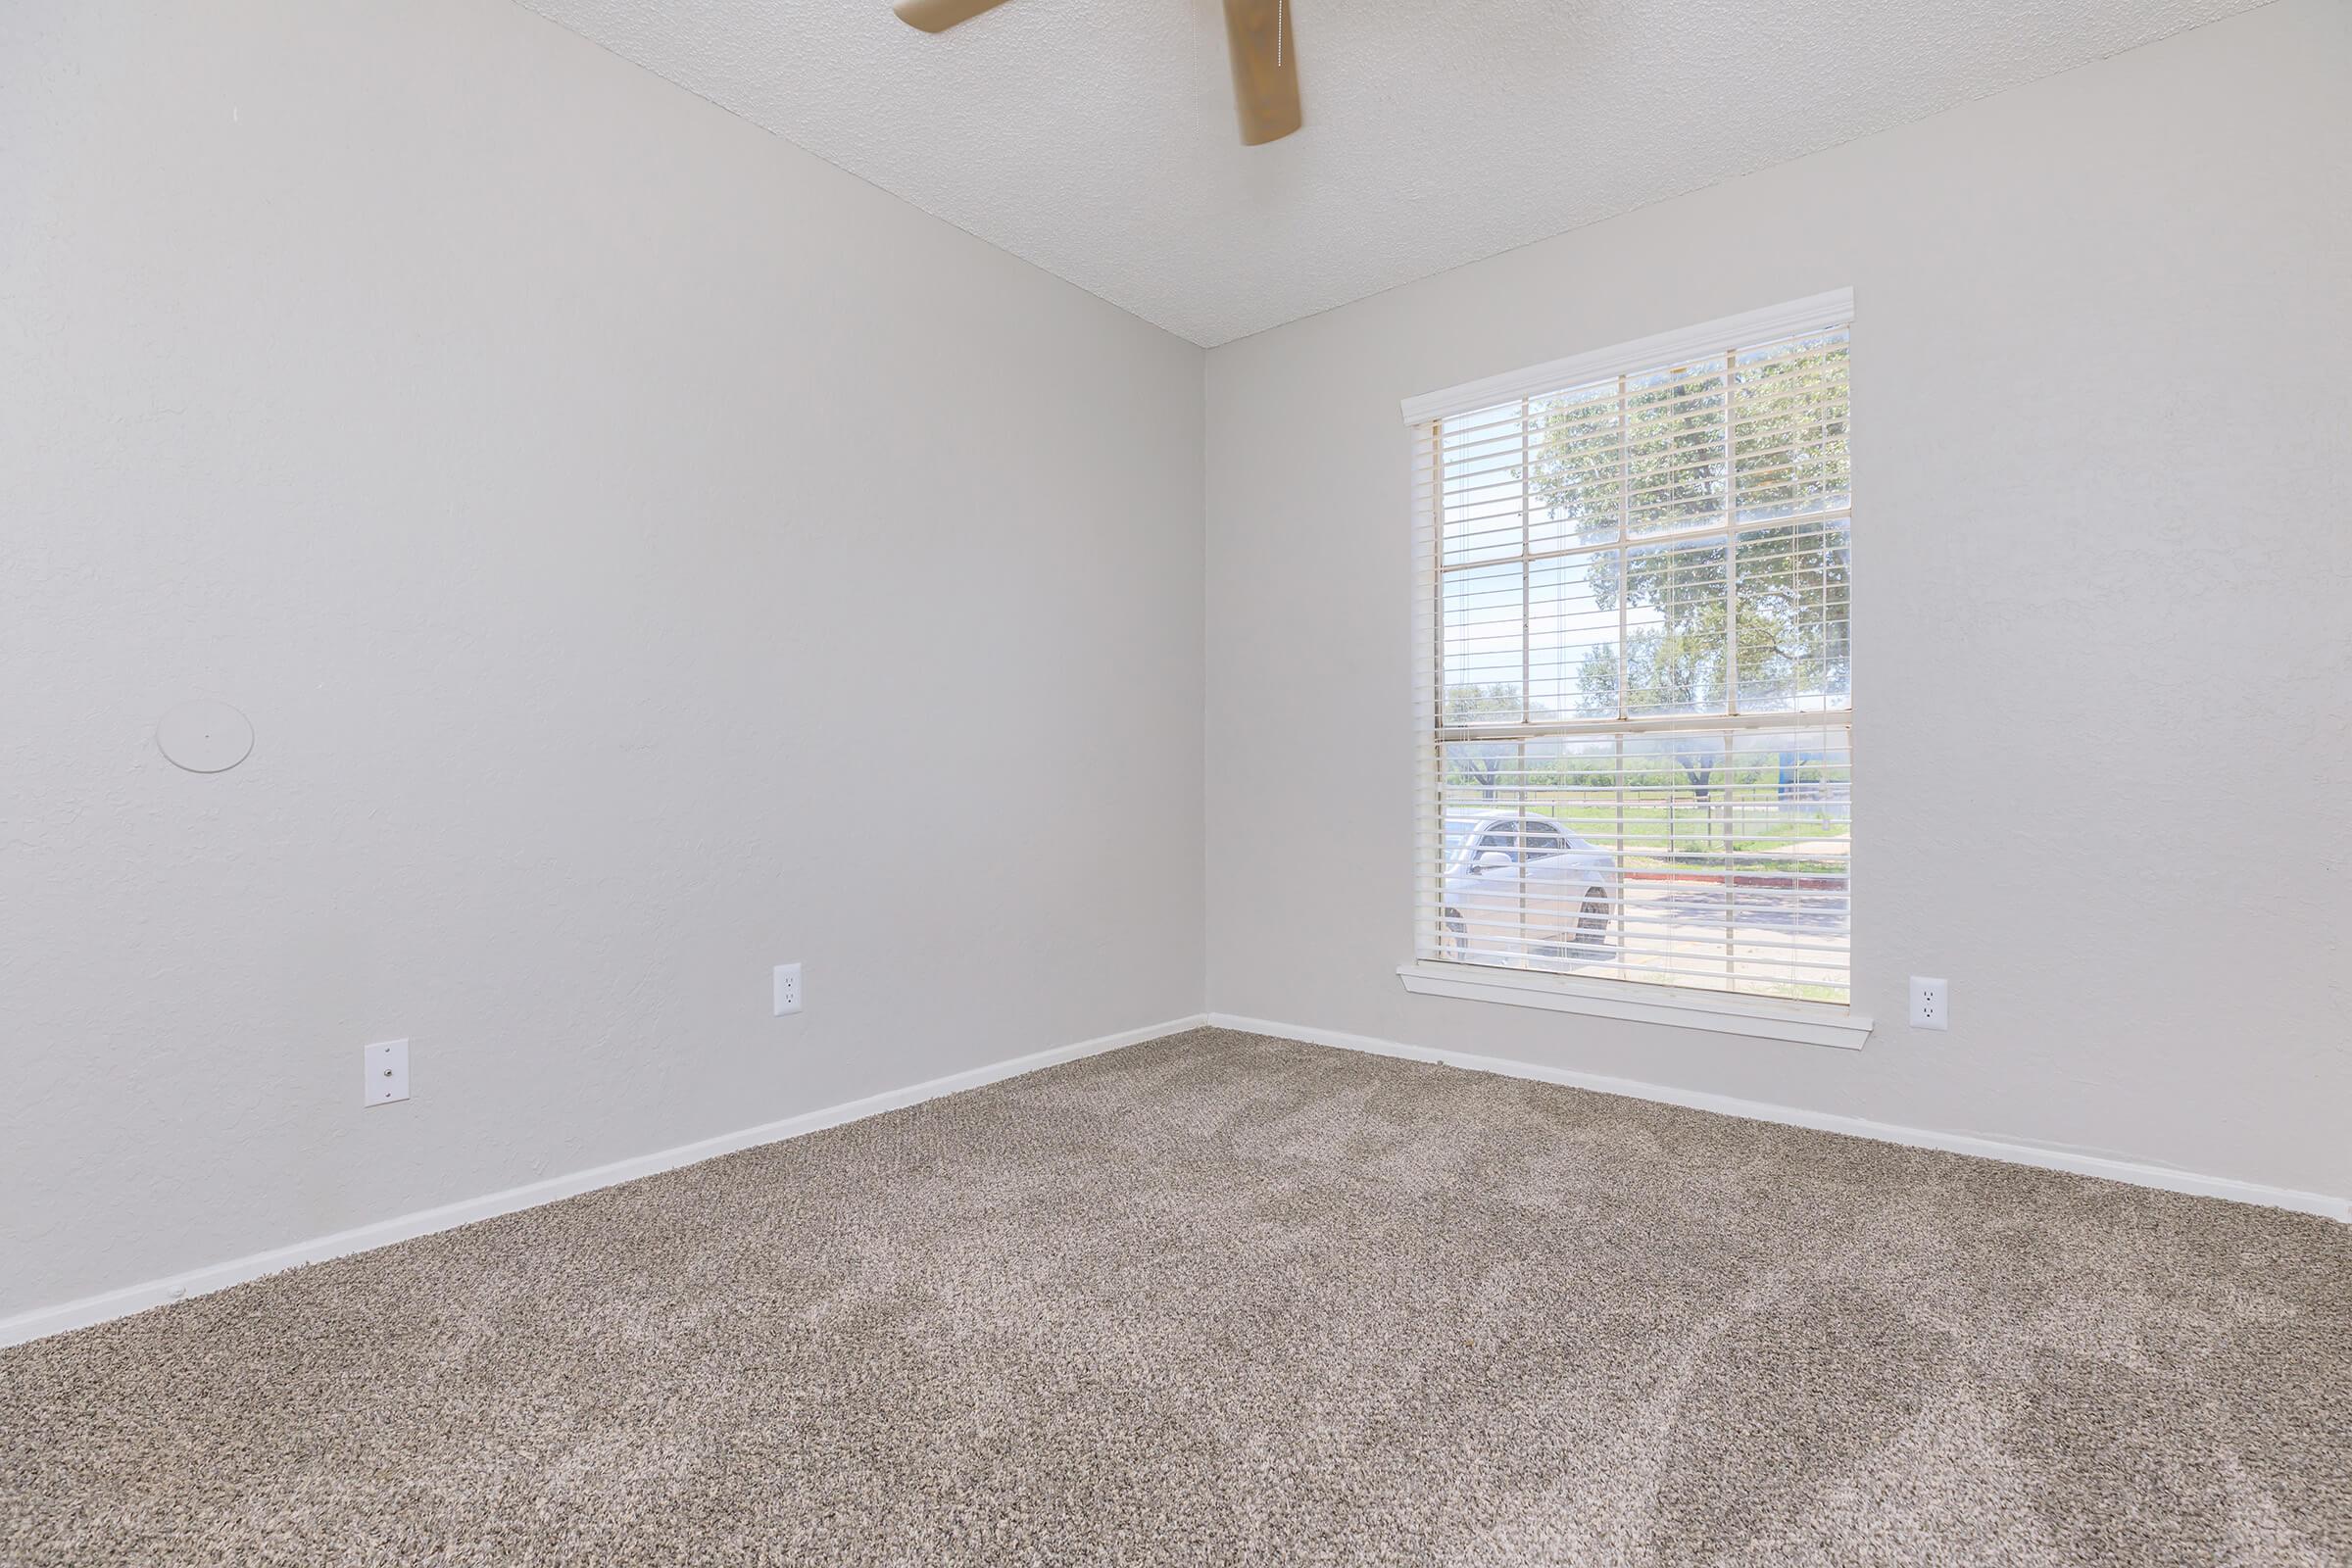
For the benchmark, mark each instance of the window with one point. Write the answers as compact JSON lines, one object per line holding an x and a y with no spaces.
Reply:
{"x":1543,"y":838}
{"x":1635,"y":673}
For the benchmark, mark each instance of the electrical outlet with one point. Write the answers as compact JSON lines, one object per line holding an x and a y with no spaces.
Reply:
{"x":1930,"y":1002}
{"x":788,"y":989}
{"x":387,"y":1077}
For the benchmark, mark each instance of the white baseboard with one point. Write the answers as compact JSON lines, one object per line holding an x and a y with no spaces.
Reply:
{"x":2082,"y":1165}
{"x":90,"y":1309}
{"x":45,"y":1321}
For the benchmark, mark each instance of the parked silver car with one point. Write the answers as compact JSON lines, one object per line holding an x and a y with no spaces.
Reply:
{"x":1524,"y":889}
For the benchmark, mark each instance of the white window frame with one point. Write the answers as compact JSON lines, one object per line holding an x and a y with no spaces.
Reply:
{"x":1719,"y":1012}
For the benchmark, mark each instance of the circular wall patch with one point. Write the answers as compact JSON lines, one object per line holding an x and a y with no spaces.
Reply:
{"x":204,"y":737}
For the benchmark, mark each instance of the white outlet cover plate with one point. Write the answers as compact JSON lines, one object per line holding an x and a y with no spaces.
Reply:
{"x":204,"y":737}
{"x":1921,"y":986}
{"x":387,"y":1072}
{"x":788,"y":989}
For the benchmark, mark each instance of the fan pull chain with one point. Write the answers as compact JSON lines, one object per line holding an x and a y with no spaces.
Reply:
{"x":1280,"y":5}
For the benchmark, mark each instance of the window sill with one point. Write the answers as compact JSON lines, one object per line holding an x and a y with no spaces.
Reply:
{"x":1811,"y":1024}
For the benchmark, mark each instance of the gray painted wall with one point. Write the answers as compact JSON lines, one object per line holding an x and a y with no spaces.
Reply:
{"x":2102,"y":426}
{"x":647,"y":554}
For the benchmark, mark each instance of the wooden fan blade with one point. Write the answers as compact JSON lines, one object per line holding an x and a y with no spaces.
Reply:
{"x":938,"y":16}
{"x":1266,"y":69}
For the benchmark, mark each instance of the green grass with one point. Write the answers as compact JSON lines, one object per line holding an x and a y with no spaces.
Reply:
{"x":1654,"y":831}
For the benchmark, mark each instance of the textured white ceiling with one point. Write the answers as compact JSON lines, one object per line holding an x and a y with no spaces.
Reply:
{"x":1097,"y":138}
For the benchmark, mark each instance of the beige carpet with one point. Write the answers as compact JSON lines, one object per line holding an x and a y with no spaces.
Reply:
{"x":1228,"y":1300}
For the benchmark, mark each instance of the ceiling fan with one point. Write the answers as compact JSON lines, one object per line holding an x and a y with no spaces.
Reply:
{"x":1265,"y":59}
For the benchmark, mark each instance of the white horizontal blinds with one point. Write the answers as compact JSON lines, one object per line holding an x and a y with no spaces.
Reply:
{"x":1636,"y":674}
{"x":1687,"y":857}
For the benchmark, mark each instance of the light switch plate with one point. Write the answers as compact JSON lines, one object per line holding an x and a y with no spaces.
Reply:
{"x":387,"y":1072}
